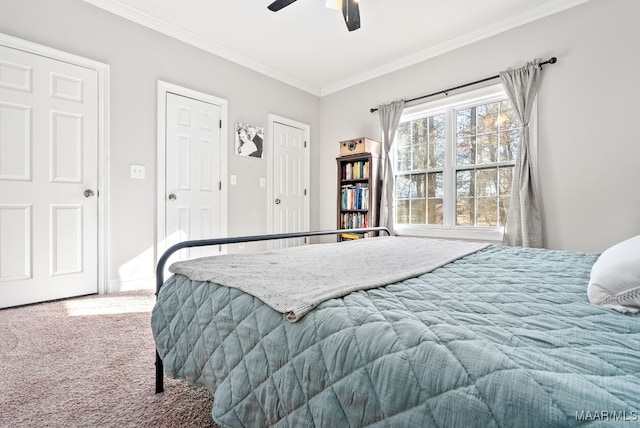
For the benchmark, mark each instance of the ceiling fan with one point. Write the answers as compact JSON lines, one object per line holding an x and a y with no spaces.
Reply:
{"x":349,"y":8}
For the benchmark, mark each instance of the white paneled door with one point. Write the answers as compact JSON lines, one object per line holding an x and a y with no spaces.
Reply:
{"x":48,"y":179}
{"x":290,"y":181}
{"x":193,"y":173}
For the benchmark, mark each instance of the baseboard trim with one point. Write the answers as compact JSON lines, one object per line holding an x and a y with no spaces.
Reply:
{"x":116,"y":286}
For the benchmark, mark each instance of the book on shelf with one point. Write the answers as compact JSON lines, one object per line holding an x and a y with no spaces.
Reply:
{"x":352,"y":236}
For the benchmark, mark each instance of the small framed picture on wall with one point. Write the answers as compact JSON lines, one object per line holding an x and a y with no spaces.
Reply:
{"x":249,"y":140}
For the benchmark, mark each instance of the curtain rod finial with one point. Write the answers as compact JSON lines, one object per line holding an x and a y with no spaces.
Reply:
{"x":551,"y":60}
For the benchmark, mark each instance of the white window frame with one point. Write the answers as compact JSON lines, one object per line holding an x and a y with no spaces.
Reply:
{"x":446,"y":105}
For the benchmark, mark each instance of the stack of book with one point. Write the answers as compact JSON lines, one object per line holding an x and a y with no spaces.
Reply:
{"x":354,"y":220}
{"x":355,"y":171}
{"x":355,"y":196}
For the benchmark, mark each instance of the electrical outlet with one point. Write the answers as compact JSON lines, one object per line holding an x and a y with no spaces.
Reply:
{"x":137,"y":171}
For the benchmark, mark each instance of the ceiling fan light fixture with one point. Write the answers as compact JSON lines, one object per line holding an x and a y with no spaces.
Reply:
{"x":334,"y":4}
{"x":349,"y":8}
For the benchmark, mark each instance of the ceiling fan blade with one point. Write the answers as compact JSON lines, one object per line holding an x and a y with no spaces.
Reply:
{"x":351,"y":13}
{"x":279,"y":4}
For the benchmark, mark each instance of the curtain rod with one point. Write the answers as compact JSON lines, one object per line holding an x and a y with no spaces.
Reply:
{"x":551,"y":60}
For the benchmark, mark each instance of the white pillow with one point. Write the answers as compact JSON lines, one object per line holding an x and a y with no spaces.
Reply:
{"x":615,"y":277}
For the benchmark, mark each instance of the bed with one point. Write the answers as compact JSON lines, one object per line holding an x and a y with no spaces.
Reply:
{"x":498,"y":336}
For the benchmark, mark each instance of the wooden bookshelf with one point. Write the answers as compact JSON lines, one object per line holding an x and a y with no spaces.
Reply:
{"x":358,"y":192}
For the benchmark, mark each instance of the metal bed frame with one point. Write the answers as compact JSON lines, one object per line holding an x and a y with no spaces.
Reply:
{"x":234,"y":240}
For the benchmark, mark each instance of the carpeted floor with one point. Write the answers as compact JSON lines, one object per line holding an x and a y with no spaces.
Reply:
{"x":89,"y":362}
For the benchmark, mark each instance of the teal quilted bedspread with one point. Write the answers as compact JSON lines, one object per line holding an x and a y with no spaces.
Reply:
{"x":504,"y":337}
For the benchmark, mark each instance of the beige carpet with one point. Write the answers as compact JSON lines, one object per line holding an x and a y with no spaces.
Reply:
{"x":89,"y":362}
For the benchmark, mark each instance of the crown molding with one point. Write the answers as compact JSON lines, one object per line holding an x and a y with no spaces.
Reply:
{"x":464,"y":40}
{"x":146,"y":20}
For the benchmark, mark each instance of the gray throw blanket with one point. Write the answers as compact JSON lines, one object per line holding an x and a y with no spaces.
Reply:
{"x":295,"y":280}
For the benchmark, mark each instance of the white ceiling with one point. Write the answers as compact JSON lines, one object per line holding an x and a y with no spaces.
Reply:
{"x":308,"y":45}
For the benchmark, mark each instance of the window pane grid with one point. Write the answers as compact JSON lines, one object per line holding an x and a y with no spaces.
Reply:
{"x":487,"y":137}
{"x":419,"y":198}
{"x":486,"y":133}
{"x":483,"y":142}
{"x":421,"y":144}
{"x":482,"y":196}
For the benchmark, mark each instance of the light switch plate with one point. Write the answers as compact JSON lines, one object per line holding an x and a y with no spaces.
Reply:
{"x":233,"y":179}
{"x":137,"y":171}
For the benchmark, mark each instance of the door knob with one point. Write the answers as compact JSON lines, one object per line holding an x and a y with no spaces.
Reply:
{"x":172,"y":197}
{"x":89,"y":193}
{"x":277,"y":201}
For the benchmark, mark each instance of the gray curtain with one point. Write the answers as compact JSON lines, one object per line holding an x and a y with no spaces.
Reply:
{"x":523,"y":225}
{"x":389,"y":115}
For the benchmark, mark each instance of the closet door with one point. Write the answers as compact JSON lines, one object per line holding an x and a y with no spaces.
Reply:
{"x":290,"y":182}
{"x":193,"y":173}
{"x":48,"y":178}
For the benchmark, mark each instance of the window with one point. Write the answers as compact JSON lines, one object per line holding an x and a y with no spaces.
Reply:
{"x":454,"y":161}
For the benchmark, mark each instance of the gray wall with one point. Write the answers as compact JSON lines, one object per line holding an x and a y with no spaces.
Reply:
{"x":138,"y":57}
{"x":589,"y":153}
{"x":589,"y":150}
